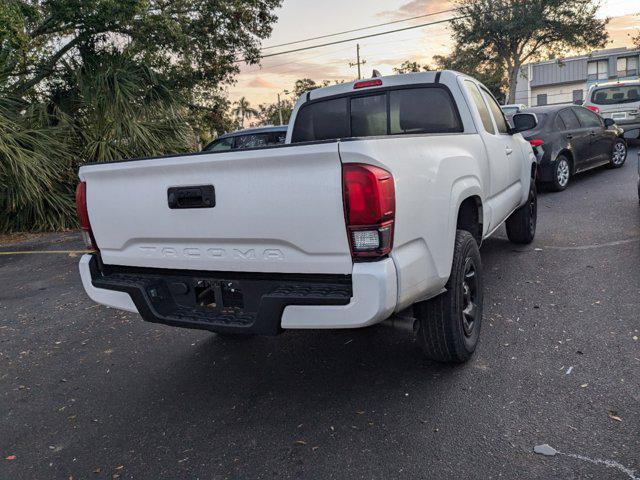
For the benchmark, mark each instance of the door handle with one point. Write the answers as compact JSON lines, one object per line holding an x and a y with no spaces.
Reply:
{"x":202,"y":196}
{"x":569,"y":136}
{"x":508,"y":150}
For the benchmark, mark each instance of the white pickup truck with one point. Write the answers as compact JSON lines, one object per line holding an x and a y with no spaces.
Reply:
{"x":377,"y":202}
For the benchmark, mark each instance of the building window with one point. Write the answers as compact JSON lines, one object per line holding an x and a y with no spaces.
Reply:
{"x":598,"y":70}
{"x":541,"y":99}
{"x":578,"y":96}
{"x":628,"y":67}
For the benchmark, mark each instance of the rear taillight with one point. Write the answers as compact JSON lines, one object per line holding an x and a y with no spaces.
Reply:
{"x":593,"y":109}
{"x":536,"y":142}
{"x":370,"y":210}
{"x":83,"y":216}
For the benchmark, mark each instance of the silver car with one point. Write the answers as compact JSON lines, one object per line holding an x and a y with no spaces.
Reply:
{"x":619,"y":101}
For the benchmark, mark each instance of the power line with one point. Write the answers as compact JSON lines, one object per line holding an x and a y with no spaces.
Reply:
{"x":365,"y":36}
{"x":359,"y":29}
{"x":447,"y":20}
{"x":266,"y":68}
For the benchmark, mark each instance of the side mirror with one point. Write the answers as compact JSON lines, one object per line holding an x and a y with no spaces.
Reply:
{"x":524,"y":121}
{"x":609,"y":122}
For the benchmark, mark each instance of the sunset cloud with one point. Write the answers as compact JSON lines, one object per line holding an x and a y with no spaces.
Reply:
{"x":262,"y":83}
{"x":622,"y":29}
{"x":259,"y":82}
{"x":414,"y":8}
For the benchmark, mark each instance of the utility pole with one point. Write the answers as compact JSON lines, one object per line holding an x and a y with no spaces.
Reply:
{"x":358,"y":62}
{"x":279,"y":110}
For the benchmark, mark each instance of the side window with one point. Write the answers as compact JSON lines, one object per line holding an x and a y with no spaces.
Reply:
{"x":587,"y":118}
{"x":252,"y":141}
{"x":577,"y":96}
{"x":559,"y":124}
{"x":498,"y":116}
{"x":221,"y":145}
{"x":569,"y":119}
{"x":422,"y":110}
{"x":276,"y":138}
{"x":485,"y":116}
{"x":322,"y":121}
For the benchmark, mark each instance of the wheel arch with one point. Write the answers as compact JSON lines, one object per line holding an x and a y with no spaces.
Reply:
{"x":569,"y":154}
{"x":470,"y":217}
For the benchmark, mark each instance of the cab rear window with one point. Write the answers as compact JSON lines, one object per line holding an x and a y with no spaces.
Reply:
{"x":393,"y":112}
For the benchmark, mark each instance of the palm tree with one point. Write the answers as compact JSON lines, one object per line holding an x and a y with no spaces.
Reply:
{"x":113,"y":109}
{"x":244,"y":110}
{"x":36,"y":168}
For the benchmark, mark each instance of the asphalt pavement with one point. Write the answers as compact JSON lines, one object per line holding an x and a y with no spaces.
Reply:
{"x":88,"y":392}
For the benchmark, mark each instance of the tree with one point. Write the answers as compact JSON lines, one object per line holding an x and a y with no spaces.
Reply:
{"x":97,"y":80}
{"x":269,"y":113}
{"x":476,"y":63}
{"x":244,"y":110}
{"x":35,"y":172}
{"x":305,"y":85}
{"x":518,"y":31}
{"x":411,"y":67}
{"x":195,"y":42}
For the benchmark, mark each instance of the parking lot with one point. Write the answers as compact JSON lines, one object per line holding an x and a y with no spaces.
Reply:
{"x":90,"y":392}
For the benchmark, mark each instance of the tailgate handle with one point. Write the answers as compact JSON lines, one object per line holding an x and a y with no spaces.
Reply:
{"x":201,"y":196}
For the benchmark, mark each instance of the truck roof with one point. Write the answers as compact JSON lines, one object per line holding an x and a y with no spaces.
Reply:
{"x":387,"y":81}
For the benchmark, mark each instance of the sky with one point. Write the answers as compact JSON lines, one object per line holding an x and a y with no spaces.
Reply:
{"x":300,"y":19}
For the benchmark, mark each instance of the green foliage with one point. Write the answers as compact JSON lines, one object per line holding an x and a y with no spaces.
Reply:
{"x":411,"y":67}
{"x":122,"y":109}
{"x":517,"y":31}
{"x":305,"y":85}
{"x":269,"y":113}
{"x":35,"y":173}
{"x":99,"y":80}
{"x":243,"y":110}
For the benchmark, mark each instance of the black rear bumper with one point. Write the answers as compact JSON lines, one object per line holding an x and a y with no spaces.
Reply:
{"x":226,"y":302}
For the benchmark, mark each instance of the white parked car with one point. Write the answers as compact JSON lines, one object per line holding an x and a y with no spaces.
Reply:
{"x":511,"y":109}
{"x":378,"y":202}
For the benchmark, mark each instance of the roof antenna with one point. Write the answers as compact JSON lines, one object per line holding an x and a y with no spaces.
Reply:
{"x":376,"y":73}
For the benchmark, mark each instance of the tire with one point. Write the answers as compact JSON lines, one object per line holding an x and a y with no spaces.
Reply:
{"x":447,"y":327}
{"x":521,"y":224}
{"x":618,"y":154}
{"x":561,"y":174}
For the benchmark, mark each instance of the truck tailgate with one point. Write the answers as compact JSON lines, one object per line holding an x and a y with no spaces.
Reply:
{"x":276,"y":210}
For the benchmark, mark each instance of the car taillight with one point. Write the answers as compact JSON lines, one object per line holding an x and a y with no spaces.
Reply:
{"x":370,"y":210}
{"x":593,"y":109}
{"x":367,"y":83}
{"x":536,"y":142}
{"x":83,"y":216}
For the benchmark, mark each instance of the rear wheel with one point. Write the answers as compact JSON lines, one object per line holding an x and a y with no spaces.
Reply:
{"x":521,"y":225}
{"x":448,"y":326}
{"x":561,"y":174}
{"x":618,"y":154}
